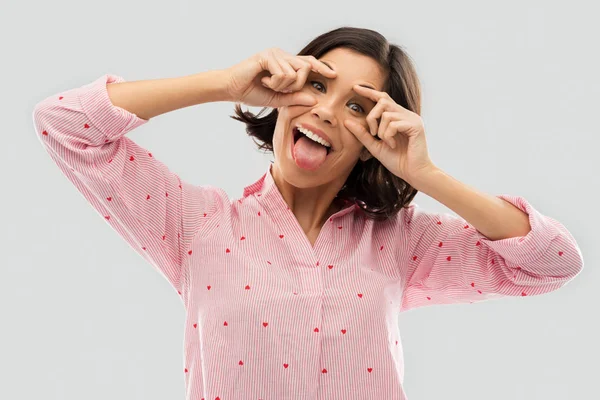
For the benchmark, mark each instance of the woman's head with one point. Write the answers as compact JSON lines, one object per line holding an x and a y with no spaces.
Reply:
{"x":360,"y":56}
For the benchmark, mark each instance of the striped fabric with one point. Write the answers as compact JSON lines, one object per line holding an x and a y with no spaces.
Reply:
{"x":269,"y":316}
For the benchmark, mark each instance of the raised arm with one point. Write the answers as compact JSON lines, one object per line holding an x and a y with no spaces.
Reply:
{"x":149,"y":98}
{"x":148,"y":205}
{"x":446,"y":260}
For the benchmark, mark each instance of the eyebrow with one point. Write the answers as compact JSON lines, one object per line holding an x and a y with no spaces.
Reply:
{"x":366,"y":86}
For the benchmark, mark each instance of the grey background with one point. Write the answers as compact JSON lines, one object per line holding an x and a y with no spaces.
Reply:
{"x":510,"y":106}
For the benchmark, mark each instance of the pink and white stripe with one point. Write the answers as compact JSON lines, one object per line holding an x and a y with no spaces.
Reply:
{"x":269,"y":316}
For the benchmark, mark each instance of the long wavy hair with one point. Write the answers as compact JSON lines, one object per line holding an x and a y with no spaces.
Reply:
{"x":378,"y":192}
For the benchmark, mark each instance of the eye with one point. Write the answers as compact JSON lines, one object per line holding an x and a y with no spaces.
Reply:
{"x":311,"y":82}
{"x":360,"y":109}
{"x":359,"y":106}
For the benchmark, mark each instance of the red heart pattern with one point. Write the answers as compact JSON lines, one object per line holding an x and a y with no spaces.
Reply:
{"x":446,"y":253}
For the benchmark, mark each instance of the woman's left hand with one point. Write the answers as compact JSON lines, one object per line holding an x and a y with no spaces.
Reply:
{"x":403,"y":148}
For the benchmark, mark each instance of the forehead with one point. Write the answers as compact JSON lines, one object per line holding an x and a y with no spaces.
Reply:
{"x":353,"y":67}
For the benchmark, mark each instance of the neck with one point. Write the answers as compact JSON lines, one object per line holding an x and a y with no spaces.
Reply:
{"x":312,"y":206}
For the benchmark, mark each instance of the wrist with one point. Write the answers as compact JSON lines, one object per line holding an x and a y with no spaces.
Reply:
{"x":211,"y":86}
{"x":224,"y":77}
{"x":425,"y":177}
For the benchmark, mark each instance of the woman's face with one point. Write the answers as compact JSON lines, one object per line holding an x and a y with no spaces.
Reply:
{"x":336,"y":101}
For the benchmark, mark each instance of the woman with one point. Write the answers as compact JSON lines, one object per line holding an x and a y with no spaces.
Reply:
{"x":293,"y":290}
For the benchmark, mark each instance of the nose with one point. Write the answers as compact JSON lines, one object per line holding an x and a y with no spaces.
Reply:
{"x":324,"y":112}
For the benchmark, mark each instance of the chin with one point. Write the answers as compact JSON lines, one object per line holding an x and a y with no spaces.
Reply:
{"x":301,"y":178}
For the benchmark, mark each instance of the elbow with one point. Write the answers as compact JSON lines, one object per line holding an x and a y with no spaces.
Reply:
{"x":575,"y":267}
{"x":567,"y":260}
{"x":573,"y":259}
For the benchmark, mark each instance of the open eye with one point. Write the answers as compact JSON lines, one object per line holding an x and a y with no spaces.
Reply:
{"x":359,"y":106}
{"x":311,"y":82}
{"x":360,"y":109}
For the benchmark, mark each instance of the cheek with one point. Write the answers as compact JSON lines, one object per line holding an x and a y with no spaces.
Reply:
{"x":290,"y":112}
{"x":351,"y":141}
{"x":277,"y":138}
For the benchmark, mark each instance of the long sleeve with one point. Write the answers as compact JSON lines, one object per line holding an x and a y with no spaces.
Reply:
{"x":445,"y":261}
{"x":148,"y":205}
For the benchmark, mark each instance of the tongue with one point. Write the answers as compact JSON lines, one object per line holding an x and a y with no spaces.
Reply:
{"x":308,"y":153}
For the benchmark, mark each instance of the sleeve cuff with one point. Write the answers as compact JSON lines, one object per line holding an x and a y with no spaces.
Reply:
{"x":521,"y":249}
{"x":111,"y":120}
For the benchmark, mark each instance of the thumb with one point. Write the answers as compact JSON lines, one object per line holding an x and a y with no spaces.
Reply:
{"x":294,"y":99}
{"x":364,"y":136}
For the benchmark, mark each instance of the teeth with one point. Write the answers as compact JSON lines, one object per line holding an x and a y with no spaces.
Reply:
{"x":314,"y":137}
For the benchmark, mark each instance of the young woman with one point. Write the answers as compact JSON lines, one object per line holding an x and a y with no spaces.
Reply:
{"x":294,"y":289}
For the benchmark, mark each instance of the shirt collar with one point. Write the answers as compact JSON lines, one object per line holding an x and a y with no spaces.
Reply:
{"x":267,"y":193}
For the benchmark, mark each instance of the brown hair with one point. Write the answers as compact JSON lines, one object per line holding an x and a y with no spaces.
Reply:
{"x":378,"y":192}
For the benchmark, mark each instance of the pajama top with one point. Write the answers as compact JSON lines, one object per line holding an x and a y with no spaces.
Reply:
{"x":268,"y":315}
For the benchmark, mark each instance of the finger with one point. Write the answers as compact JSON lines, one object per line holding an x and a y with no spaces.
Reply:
{"x":396,"y":128}
{"x":364,"y":136}
{"x":276,"y":73}
{"x":302,"y":68}
{"x":386,"y":118}
{"x":389,"y":137}
{"x":378,"y":96}
{"x":320,"y":67}
{"x":289,"y":74}
{"x":373,"y":116}
{"x":372,"y":94}
{"x":383,"y":124}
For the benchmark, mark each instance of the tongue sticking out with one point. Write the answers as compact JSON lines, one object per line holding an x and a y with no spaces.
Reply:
{"x":309,"y":154}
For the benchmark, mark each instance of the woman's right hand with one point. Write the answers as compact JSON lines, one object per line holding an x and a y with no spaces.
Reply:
{"x":262,"y":79}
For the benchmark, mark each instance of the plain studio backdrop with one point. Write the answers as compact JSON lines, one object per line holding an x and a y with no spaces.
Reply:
{"x":510,"y":104}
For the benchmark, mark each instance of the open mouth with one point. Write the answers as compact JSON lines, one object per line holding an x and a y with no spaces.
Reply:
{"x":297,"y":134}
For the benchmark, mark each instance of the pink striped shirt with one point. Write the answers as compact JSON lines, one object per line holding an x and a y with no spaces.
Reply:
{"x":269,"y":316}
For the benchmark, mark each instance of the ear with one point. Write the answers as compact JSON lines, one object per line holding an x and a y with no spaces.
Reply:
{"x":365,"y":154}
